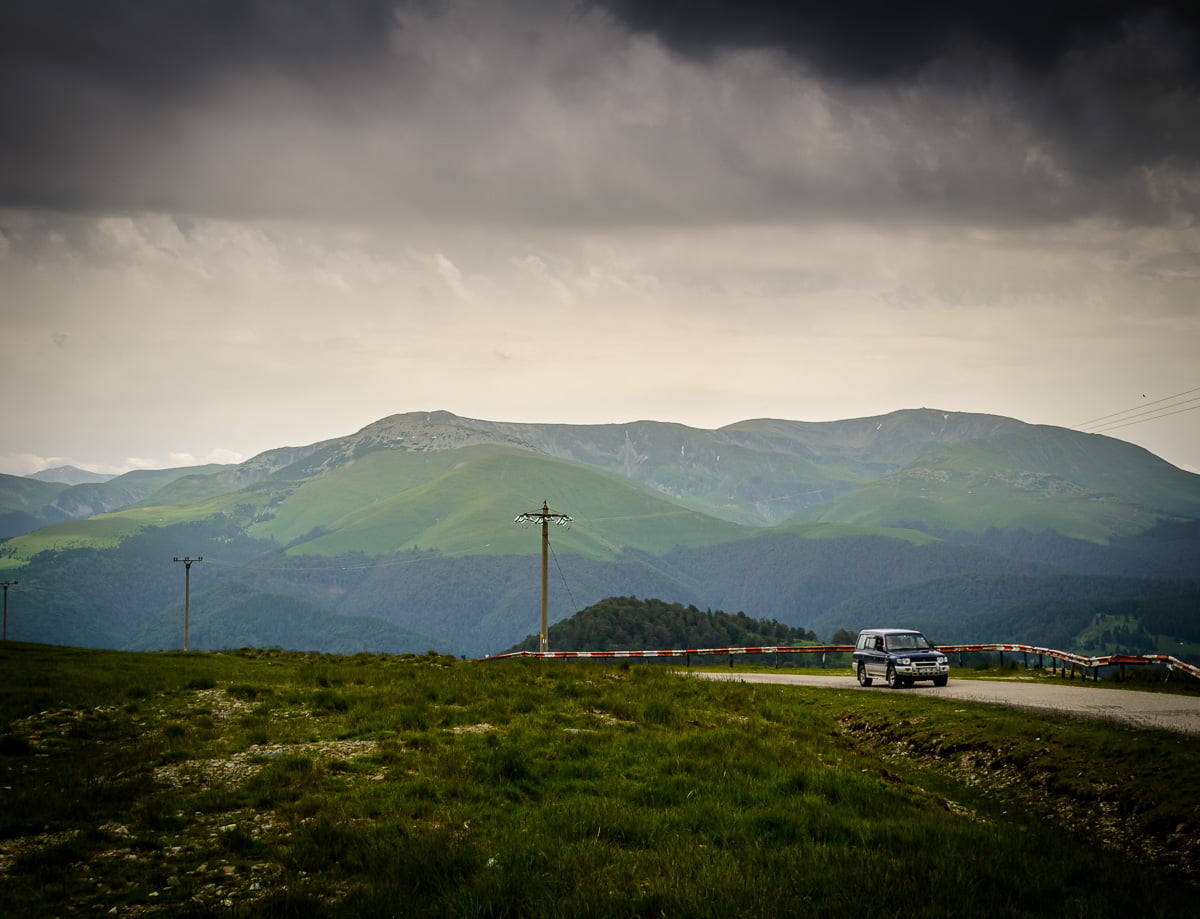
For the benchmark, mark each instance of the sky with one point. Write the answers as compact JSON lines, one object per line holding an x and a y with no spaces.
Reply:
{"x":233,"y":225}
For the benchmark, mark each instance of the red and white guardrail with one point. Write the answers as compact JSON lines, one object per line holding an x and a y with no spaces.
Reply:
{"x":1107,"y":660}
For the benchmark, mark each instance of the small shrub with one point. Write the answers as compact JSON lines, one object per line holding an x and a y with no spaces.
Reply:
{"x":291,"y":904}
{"x":327,"y":702}
{"x":51,"y":859}
{"x":412,"y":718}
{"x":659,"y":711}
{"x":238,"y":841}
{"x":247,"y":692}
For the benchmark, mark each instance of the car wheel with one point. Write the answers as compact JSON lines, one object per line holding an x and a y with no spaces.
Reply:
{"x":891,"y":679}
{"x":863,"y":679}
{"x":940,"y":680}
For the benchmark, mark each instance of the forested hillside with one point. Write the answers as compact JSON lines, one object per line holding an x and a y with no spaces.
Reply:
{"x":1070,"y":612}
{"x":630,"y":624}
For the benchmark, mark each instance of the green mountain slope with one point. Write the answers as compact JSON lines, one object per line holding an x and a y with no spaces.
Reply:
{"x":463,"y":502}
{"x":21,"y":501}
{"x":1036,"y":478}
{"x":18,"y":493}
{"x":404,"y":531}
{"x":31,"y":504}
{"x":768,"y":471}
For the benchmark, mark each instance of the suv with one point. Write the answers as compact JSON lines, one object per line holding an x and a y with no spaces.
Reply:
{"x":899,"y":656}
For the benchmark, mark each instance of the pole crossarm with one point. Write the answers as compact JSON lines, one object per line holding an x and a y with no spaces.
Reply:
{"x":545,"y":516}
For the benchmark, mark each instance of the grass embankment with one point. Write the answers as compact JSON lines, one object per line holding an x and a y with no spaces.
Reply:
{"x":271,"y":784}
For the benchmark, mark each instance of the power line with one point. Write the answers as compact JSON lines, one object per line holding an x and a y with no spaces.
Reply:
{"x":563,"y":578}
{"x":1137,"y":411}
{"x":1161,"y":413}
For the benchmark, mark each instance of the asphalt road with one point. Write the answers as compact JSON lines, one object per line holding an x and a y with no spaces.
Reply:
{"x":1141,"y":709}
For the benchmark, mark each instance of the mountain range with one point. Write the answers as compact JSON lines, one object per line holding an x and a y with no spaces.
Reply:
{"x":401,"y":536}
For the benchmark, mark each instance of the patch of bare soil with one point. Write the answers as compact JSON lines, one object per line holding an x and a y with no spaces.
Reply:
{"x":222,"y":858}
{"x":1104,"y":814}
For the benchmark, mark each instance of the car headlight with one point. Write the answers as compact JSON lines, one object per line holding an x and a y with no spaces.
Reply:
{"x":904,"y":662}
{"x":941,"y":658}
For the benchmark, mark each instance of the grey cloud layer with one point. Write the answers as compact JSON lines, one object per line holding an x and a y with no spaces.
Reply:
{"x":601,"y":114}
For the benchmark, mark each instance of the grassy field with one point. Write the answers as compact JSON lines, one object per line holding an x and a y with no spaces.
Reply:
{"x":260,"y":783}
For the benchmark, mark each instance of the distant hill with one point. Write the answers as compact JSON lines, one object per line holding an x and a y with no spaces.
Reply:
{"x":34,"y":504}
{"x":1033,"y":478}
{"x":403,"y":532}
{"x":21,"y":500}
{"x":630,"y":624}
{"x":978,"y":607}
{"x":69,"y":475}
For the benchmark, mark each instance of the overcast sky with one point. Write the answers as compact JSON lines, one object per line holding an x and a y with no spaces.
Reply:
{"x":233,"y":225}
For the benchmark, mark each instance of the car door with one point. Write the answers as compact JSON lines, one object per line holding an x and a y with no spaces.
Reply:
{"x":876,"y":658}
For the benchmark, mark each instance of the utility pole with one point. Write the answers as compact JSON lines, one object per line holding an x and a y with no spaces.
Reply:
{"x":187,"y":592}
{"x":6,"y":585}
{"x":544,"y":517}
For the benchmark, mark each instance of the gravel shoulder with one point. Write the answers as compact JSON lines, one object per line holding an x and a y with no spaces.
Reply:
{"x":1141,"y":709}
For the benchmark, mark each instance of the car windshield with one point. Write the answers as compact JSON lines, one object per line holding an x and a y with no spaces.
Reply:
{"x":914,"y":642}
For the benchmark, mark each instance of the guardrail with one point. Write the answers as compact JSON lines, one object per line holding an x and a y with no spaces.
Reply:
{"x":1091,"y":663}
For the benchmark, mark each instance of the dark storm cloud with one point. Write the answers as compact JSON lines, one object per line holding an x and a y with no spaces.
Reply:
{"x":510,"y":110}
{"x":1114,"y":84}
{"x":884,"y":40}
{"x":169,"y":46}
{"x":86,"y":82}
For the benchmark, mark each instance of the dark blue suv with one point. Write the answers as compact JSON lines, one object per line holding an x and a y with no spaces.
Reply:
{"x":898,"y":657}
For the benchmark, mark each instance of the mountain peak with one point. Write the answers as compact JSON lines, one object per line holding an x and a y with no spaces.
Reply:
{"x":69,"y":475}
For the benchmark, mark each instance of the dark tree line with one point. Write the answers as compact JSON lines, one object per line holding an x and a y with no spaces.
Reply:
{"x":630,"y":624}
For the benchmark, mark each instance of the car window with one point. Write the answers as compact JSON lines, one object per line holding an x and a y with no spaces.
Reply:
{"x":907,"y":643}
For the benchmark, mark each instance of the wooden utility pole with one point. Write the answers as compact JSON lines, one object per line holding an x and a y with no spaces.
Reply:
{"x":544,"y":517}
{"x":187,"y":592}
{"x":6,"y":585}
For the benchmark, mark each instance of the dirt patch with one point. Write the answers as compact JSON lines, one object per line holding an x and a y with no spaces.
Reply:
{"x":1103,"y":813}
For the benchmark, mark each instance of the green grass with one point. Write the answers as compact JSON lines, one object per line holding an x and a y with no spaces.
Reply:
{"x":262,"y":783}
{"x":386,"y":507}
{"x":100,"y":532}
